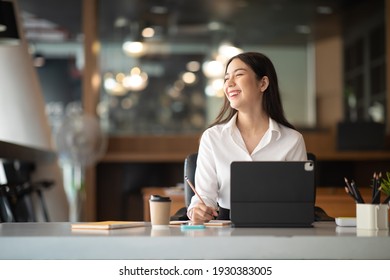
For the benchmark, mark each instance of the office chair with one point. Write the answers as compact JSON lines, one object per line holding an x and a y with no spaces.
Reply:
{"x":189,"y":171}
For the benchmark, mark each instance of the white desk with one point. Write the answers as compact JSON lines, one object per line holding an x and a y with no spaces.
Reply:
{"x":58,"y":241}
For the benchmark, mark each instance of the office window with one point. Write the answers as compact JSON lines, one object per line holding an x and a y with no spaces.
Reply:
{"x":365,"y":67}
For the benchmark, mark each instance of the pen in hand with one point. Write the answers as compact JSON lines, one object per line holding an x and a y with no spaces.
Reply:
{"x":193,"y":188}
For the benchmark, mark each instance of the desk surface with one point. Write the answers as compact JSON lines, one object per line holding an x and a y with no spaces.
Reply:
{"x":59,"y":241}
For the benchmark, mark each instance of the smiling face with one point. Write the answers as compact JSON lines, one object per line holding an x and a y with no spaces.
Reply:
{"x":242,"y":88}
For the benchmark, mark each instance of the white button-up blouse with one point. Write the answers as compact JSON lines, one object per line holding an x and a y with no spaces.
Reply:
{"x":222,"y":144}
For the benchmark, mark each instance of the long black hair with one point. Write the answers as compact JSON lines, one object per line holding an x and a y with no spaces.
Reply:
{"x":272,"y":104}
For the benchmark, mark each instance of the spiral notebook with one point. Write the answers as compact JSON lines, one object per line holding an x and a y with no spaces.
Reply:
{"x":272,"y":194}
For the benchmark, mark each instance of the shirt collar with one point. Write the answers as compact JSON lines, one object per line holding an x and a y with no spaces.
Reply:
{"x":230,"y":124}
{"x":274,"y":127}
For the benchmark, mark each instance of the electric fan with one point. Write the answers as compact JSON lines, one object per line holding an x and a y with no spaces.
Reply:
{"x":80,"y":143}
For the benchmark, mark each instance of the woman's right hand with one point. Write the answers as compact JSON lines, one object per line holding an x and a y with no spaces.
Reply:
{"x":202,"y":213}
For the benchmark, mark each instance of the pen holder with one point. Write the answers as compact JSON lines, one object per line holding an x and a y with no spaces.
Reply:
{"x":372,"y":216}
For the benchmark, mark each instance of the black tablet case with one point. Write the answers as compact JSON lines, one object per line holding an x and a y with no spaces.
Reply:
{"x":272,"y":193}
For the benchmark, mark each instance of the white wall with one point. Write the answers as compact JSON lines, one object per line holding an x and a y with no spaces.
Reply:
{"x":293,"y":66}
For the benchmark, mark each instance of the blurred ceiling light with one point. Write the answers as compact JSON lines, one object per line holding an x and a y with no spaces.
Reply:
{"x":193,"y":66}
{"x":213,"y":69}
{"x":189,"y":77}
{"x":218,"y":87}
{"x":134,"y":49}
{"x":112,"y":85}
{"x":227,"y":50}
{"x":119,"y":77}
{"x":148,"y":32}
{"x":217,"y":84}
{"x":136,"y":81}
{"x":209,"y":90}
{"x":215,"y":88}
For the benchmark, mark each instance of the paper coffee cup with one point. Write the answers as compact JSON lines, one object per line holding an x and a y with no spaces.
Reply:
{"x":160,"y":209}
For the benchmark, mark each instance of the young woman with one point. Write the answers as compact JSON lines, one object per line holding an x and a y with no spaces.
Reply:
{"x":251,"y":126}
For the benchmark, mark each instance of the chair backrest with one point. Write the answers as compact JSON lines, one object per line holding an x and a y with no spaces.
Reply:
{"x":189,"y":171}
